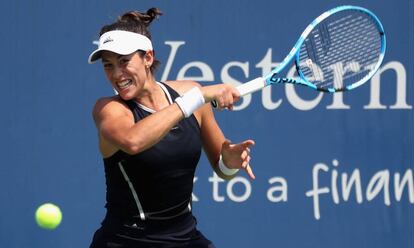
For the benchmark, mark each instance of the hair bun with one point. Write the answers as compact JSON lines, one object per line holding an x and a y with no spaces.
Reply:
{"x":141,"y":18}
{"x":153,"y":14}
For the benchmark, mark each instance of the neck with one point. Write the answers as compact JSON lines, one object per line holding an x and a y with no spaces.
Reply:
{"x":153,"y":96}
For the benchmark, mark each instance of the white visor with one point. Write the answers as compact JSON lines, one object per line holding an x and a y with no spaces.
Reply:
{"x":120,"y":42}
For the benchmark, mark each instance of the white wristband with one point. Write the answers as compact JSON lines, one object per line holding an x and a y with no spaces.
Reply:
{"x":190,"y":101}
{"x":223,"y":168}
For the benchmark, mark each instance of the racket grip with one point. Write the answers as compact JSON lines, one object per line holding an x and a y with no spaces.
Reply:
{"x":247,"y":88}
{"x":251,"y":86}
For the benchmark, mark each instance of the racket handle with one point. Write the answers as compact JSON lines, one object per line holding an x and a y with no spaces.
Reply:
{"x":247,"y":88}
{"x":251,"y":86}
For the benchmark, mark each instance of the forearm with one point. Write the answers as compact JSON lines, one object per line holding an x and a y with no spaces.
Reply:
{"x":150,"y":130}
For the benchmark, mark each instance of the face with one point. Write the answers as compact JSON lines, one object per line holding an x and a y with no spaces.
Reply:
{"x":127,"y":73}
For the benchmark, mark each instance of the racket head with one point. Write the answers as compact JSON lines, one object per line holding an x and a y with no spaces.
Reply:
{"x":340,"y":50}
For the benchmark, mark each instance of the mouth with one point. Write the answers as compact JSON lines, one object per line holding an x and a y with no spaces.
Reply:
{"x":124,"y":84}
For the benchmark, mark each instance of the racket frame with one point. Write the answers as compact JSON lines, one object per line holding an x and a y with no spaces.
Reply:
{"x":273,"y":76}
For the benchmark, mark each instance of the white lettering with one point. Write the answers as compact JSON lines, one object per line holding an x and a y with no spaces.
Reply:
{"x":295,"y":100}
{"x":338,"y":102}
{"x":266,"y":65}
{"x":282,"y":188}
{"x":316,"y":191}
{"x":355,"y":179}
{"x":215,"y":180}
{"x":334,"y":190}
{"x":245,"y":195}
{"x":379,"y":181}
{"x":174,"y":48}
{"x":406,"y":181}
{"x":207,"y":74}
{"x":401,"y":81}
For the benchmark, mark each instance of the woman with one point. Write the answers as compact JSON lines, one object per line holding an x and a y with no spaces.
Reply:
{"x":150,"y":137}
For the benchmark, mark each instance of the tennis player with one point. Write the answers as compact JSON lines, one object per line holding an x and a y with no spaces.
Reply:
{"x":150,"y":136}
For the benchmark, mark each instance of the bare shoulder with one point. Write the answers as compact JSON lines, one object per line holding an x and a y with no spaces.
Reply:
{"x":108,"y":106}
{"x":181,"y":86}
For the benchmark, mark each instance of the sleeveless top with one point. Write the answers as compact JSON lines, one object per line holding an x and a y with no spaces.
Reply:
{"x":155,"y":184}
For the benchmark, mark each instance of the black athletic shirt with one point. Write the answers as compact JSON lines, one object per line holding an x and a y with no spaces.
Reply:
{"x":155,"y":184}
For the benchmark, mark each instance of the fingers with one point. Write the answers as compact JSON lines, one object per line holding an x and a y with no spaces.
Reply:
{"x":225,"y":102}
{"x":248,"y":169}
{"x":246,"y":148}
{"x":239,"y":155}
{"x":246,"y":164}
{"x":245,"y":154}
{"x":246,"y":161}
{"x":249,"y":143}
{"x":225,"y":96}
{"x":242,"y":148}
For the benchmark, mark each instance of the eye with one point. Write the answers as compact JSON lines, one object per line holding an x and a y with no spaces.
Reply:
{"x":123,"y":61}
{"x":107,"y":66}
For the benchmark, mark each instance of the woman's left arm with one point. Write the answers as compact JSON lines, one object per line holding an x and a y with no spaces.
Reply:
{"x":224,"y":157}
{"x":217,"y":147}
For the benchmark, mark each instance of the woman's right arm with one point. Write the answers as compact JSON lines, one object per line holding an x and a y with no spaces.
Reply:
{"x":117,"y":129}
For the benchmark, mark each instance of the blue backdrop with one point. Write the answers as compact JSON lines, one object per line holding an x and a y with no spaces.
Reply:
{"x":332,"y":170}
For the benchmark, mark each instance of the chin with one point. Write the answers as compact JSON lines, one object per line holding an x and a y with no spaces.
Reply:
{"x":125,"y":94}
{"x":126,"y":97}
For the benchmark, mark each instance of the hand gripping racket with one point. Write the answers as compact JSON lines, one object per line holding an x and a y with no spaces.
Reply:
{"x":339,"y":51}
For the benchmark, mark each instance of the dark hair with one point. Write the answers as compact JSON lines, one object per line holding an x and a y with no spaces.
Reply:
{"x":137,"y":22}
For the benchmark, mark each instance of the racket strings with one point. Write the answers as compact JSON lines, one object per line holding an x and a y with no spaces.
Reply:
{"x":341,"y":50}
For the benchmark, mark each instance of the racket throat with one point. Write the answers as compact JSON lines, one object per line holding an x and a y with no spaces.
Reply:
{"x":275,"y":79}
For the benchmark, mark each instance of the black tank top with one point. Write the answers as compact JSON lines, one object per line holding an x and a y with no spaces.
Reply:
{"x":157,"y":183}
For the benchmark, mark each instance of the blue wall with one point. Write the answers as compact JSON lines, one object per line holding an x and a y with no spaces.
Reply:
{"x":304,"y":140}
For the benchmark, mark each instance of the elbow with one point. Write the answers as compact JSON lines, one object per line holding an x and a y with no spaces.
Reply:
{"x":131,"y":150}
{"x":131,"y":147}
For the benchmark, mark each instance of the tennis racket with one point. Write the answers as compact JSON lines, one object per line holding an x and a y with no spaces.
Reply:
{"x":339,"y":51}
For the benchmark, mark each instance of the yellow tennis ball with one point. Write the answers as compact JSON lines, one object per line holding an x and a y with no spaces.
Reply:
{"x":48,"y":216}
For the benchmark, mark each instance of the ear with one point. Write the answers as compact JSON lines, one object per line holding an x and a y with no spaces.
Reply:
{"x":149,"y":58}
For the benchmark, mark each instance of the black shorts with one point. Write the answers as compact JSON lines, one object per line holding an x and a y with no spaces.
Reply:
{"x":180,"y":232}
